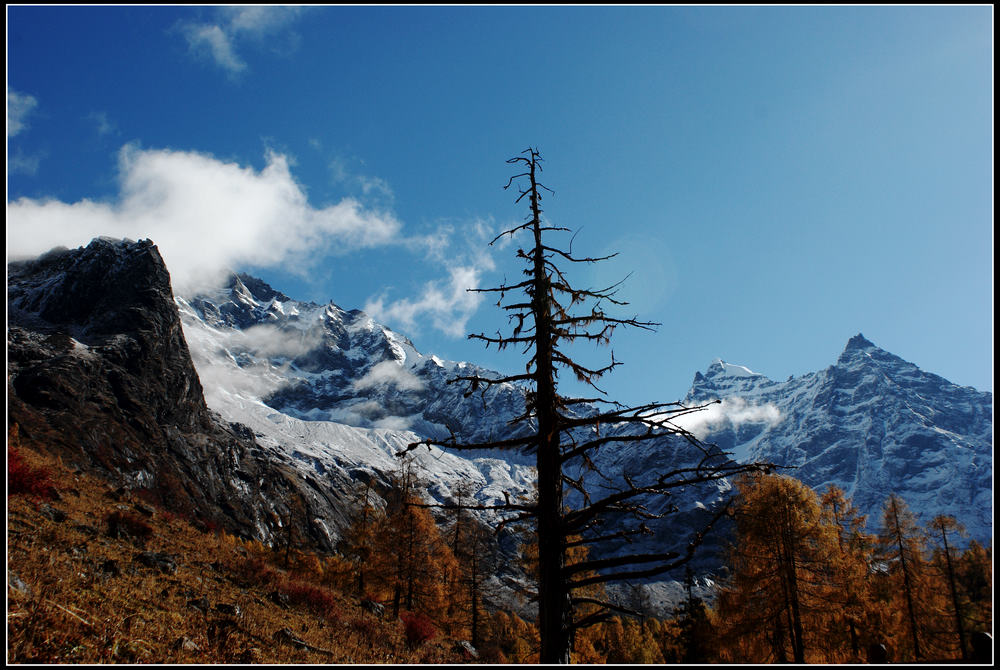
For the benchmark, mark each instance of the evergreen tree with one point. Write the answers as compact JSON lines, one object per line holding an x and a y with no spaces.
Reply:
{"x":359,"y":538}
{"x":695,"y":628}
{"x":974,"y":573}
{"x":476,"y":550}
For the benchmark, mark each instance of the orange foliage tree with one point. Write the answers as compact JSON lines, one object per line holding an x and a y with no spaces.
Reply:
{"x":780,"y":598}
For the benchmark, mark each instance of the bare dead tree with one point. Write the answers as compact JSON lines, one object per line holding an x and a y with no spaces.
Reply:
{"x":546,"y":314}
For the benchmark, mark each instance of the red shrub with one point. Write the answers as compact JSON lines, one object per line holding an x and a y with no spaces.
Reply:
{"x":316,"y":598}
{"x":418,"y":629}
{"x":24,"y":479}
{"x":366,"y":627}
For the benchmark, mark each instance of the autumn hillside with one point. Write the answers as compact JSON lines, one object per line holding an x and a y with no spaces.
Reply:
{"x":97,"y":575}
{"x":100,"y":574}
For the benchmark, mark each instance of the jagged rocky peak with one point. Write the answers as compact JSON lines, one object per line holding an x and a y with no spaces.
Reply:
{"x":720,"y":368}
{"x":106,"y":287}
{"x":722,"y":378}
{"x":99,"y":372}
{"x":113,"y":298}
{"x":859,"y":342}
{"x":872,"y":423}
{"x":258,"y":288}
{"x":860,"y":348}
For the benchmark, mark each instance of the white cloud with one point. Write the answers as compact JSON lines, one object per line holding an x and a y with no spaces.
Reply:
{"x":213,"y":41}
{"x":218,"y":41}
{"x":102,"y":124}
{"x":395,"y":422}
{"x":730,"y":413}
{"x":260,"y":19}
{"x":205,"y":215}
{"x":269,"y":341}
{"x":366,"y":185}
{"x":19,"y":108}
{"x":22,"y":163}
{"x":389,"y":373}
{"x":448,"y":304}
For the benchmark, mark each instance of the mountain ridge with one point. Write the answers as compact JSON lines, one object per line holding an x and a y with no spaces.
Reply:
{"x":872,"y":424}
{"x":323,"y":398}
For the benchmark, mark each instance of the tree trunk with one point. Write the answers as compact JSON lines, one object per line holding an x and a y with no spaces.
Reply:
{"x":907,"y":586}
{"x":954,"y":595}
{"x":553,"y":596}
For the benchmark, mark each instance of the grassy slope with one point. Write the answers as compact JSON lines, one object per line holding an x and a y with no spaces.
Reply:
{"x":76,"y":594}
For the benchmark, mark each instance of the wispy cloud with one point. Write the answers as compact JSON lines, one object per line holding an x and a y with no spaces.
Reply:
{"x":461,"y":246}
{"x":102,"y":124}
{"x":205,"y":215}
{"x":446,"y":304}
{"x":366,"y":185}
{"x":215,"y":43}
{"x":730,"y":413}
{"x":272,"y":342}
{"x":235,"y":26}
{"x":389,"y":373}
{"x":19,"y":107}
{"x":22,"y":163}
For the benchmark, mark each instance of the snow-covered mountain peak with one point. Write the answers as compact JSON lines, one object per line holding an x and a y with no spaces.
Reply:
{"x":722,"y":379}
{"x":322,"y":362}
{"x":859,"y":342}
{"x":861,"y":351}
{"x":720,"y":368}
{"x":871,"y":424}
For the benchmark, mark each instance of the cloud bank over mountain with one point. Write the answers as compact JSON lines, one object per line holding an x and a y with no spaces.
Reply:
{"x":208,"y":215}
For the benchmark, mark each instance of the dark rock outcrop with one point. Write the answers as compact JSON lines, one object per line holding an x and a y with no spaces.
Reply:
{"x":99,"y":372}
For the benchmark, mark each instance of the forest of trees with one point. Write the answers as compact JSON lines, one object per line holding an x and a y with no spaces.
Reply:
{"x":809,"y":581}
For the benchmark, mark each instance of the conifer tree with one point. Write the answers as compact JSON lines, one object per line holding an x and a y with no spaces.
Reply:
{"x":416,"y":562}
{"x":781,"y":587}
{"x":849,"y":567}
{"x":901,"y":544}
{"x":475,"y":548}
{"x":695,"y":629}
{"x":359,"y":538}
{"x":975,"y":578}
{"x":564,"y":433}
{"x":940,"y":527}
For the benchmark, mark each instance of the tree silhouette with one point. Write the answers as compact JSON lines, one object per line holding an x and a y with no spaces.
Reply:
{"x":574,"y":499}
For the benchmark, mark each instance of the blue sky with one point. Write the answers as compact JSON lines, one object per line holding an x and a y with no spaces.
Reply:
{"x":775,"y":179}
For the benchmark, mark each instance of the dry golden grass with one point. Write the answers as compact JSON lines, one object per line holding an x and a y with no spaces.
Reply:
{"x":77,"y":595}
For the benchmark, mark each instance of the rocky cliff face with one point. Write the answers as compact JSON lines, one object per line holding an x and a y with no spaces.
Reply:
{"x":99,"y":371}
